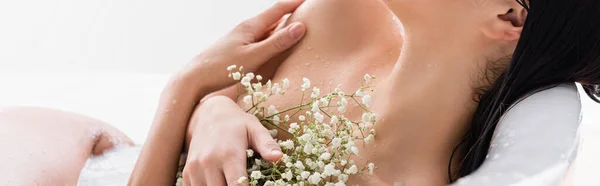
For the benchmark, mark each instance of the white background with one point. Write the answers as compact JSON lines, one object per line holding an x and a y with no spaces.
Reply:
{"x":109,"y":58}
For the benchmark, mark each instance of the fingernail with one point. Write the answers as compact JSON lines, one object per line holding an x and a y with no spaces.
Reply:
{"x":276,"y":153}
{"x":297,"y":31}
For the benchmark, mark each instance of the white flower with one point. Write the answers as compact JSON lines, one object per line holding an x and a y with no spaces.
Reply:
{"x":246,"y":81}
{"x":258,"y":94}
{"x":230,"y":68}
{"x":319,"y":117}
{"x":359,"y":93}
{"x":343,"y":162}
{"x":340,"y":183}
{"x":334,"y":120}
{"x":368,"y":78}
{"x":256,"y":175}
{"x":236,"y":76}
{"x":248,"y":99}
{"x":276,"y":120}
{"x":366,"y":117}
{"x":242,"y":179}
{"x":287,"y":175}
{"x":354,"y":150}
{"x":285,"y":83}
{"x":294,"y":128}
{"x":305,"y":84}
{"x":272,"y":110}
{"x":315,"y":106}
{"x":249,"y":153}
{"x":301,"y":118}
{"x":250,"y":75}
{"x":325,"y":156}
{"x":352,"y":170}
{"x":329,"y":169}
{"x":287,"y":144}
{"x":369,"y":138}
{"x":273,"y":133}
{"x":315,"y":93}
{"x":299,"y":165}
{"x":367,"y":100}
{"x":343,"y":178}
{"x":315,"y":178}
{"x":179,"y":182}
{"x":371,"y":167}
{"x":304,"y":175}
{"x":336,"y":142}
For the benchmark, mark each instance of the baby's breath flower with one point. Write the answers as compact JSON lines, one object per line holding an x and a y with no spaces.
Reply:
{"x":242,"y":180}
{"x":315,"y":106}
{"x":287,"y":144}
{"x":315,"y":178}
{"x":366,"y":117}
{"x":301,"y":118}
{"x":249,"y":153}
{"x":305,"y":175}
{"x":359,"y":93}
{"x":325,"y":156}
{"x":329,"y":169}
{"x":336,"y":142}
{"x":230,"y":68}
{"x":179,"y":182}
{"x":276,"y":120}
{"x":285,"y":83}
{"x":367,"y":100}
{"x":246,"y":81}
{"x":236,"y":76}
{"x":371,"y":167}
{"x":273,"y":133}
{"x":272,"y":110}
{"x":319,"y":117}
{"x":334,"y":120}
{"x":369,"y":138}
{"x":247,"y":99}
{"x":315,"y":93}
{"x":250,"y":75}
{"x":305,"y":84}
{"x":352,"y":170}
{"x":340,"y":183}
{"x":256,"y":175}
{"x":354,"y":150}
{"x":287,"y":175}
{"x":368,"y":78}
{"x":293,"y":128}
{"x":300,"y":166}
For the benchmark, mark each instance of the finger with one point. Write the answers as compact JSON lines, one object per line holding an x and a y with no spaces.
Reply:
{"x":260,"y":140}
{"x":214,"y":177}
{"x":259,"y":24}
{"x":279,"y":41}
{"x":234,"y":170}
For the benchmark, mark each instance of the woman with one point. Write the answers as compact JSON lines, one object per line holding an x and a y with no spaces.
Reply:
{"x":451,"y":83}
{"x":49,"y":147}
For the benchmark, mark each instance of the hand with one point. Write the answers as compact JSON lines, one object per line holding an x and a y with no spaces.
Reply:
{"x":246,"y":46}
{"x":222,"y":132}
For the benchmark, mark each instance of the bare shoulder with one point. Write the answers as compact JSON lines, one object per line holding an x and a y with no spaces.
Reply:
{"x":346,"y":25}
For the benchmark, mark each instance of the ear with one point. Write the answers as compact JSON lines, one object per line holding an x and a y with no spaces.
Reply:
{"x":508,"y":25}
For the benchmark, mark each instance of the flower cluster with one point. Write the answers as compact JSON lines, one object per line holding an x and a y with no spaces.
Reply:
{"x":322,"y":143}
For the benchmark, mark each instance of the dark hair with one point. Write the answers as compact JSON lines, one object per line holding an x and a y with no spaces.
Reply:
{"x":560,"y":43}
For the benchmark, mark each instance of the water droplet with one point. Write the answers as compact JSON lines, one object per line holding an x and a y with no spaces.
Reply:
{"x":318,"y":57}
{"x":307,"y":63}
{"x":309,"y":48}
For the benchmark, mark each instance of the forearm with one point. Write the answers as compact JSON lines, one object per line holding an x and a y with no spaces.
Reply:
{"x":157,"y":164}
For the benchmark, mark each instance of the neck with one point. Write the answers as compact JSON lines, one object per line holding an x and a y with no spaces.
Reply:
{"x":432,"y":90}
